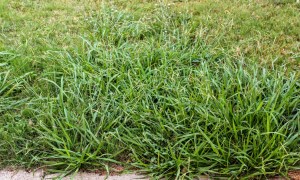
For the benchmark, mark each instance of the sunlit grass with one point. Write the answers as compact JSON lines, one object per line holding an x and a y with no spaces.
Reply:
{"x":147,"y":91}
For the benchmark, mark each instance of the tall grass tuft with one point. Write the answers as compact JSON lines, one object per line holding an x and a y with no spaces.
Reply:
{"x":148,"y":92}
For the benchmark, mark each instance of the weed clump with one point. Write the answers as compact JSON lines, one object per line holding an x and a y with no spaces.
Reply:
{"x":149,"y":93}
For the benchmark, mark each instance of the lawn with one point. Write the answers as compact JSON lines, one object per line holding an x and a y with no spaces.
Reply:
{"x":172,"y":89}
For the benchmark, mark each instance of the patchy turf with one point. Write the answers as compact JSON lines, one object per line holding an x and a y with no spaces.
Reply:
{"x":173,"y":89}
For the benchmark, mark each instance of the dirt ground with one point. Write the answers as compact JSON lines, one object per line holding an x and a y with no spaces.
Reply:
{"x":38,"y":175}
{"x":23,"y":175}
{"x":295,"y":175}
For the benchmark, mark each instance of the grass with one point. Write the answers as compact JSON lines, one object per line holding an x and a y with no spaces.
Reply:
{"x":173,"y":90}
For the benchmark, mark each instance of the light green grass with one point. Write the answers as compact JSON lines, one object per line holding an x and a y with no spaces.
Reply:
{"x":155,"y":87}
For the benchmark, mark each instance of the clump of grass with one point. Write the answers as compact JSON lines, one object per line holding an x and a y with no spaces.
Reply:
{"x":147,"y":92}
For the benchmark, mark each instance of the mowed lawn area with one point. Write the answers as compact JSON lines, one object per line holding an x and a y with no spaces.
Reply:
{"x":172,"y":89}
